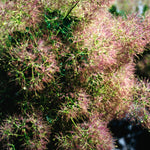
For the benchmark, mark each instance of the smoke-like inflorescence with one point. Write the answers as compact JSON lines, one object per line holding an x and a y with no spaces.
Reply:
{"x":75,"y":62}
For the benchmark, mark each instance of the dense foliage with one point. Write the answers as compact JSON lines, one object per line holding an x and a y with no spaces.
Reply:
{"x":67,"y":68}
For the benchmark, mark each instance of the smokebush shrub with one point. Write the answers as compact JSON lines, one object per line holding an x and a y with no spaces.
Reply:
{"x":74,"y":62}
{"x":88,"y":135}
{"x":24,"y":132}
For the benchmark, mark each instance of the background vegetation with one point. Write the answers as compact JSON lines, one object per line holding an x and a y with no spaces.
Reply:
{"x":67,"y":68}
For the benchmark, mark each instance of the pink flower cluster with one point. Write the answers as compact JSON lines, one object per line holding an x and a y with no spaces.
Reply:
{"x":35,"y":66}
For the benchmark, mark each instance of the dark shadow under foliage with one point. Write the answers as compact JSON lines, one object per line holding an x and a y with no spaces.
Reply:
{"x":9,"y":95}
{"x":134,"y":135}
{"x":142,"y":69}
